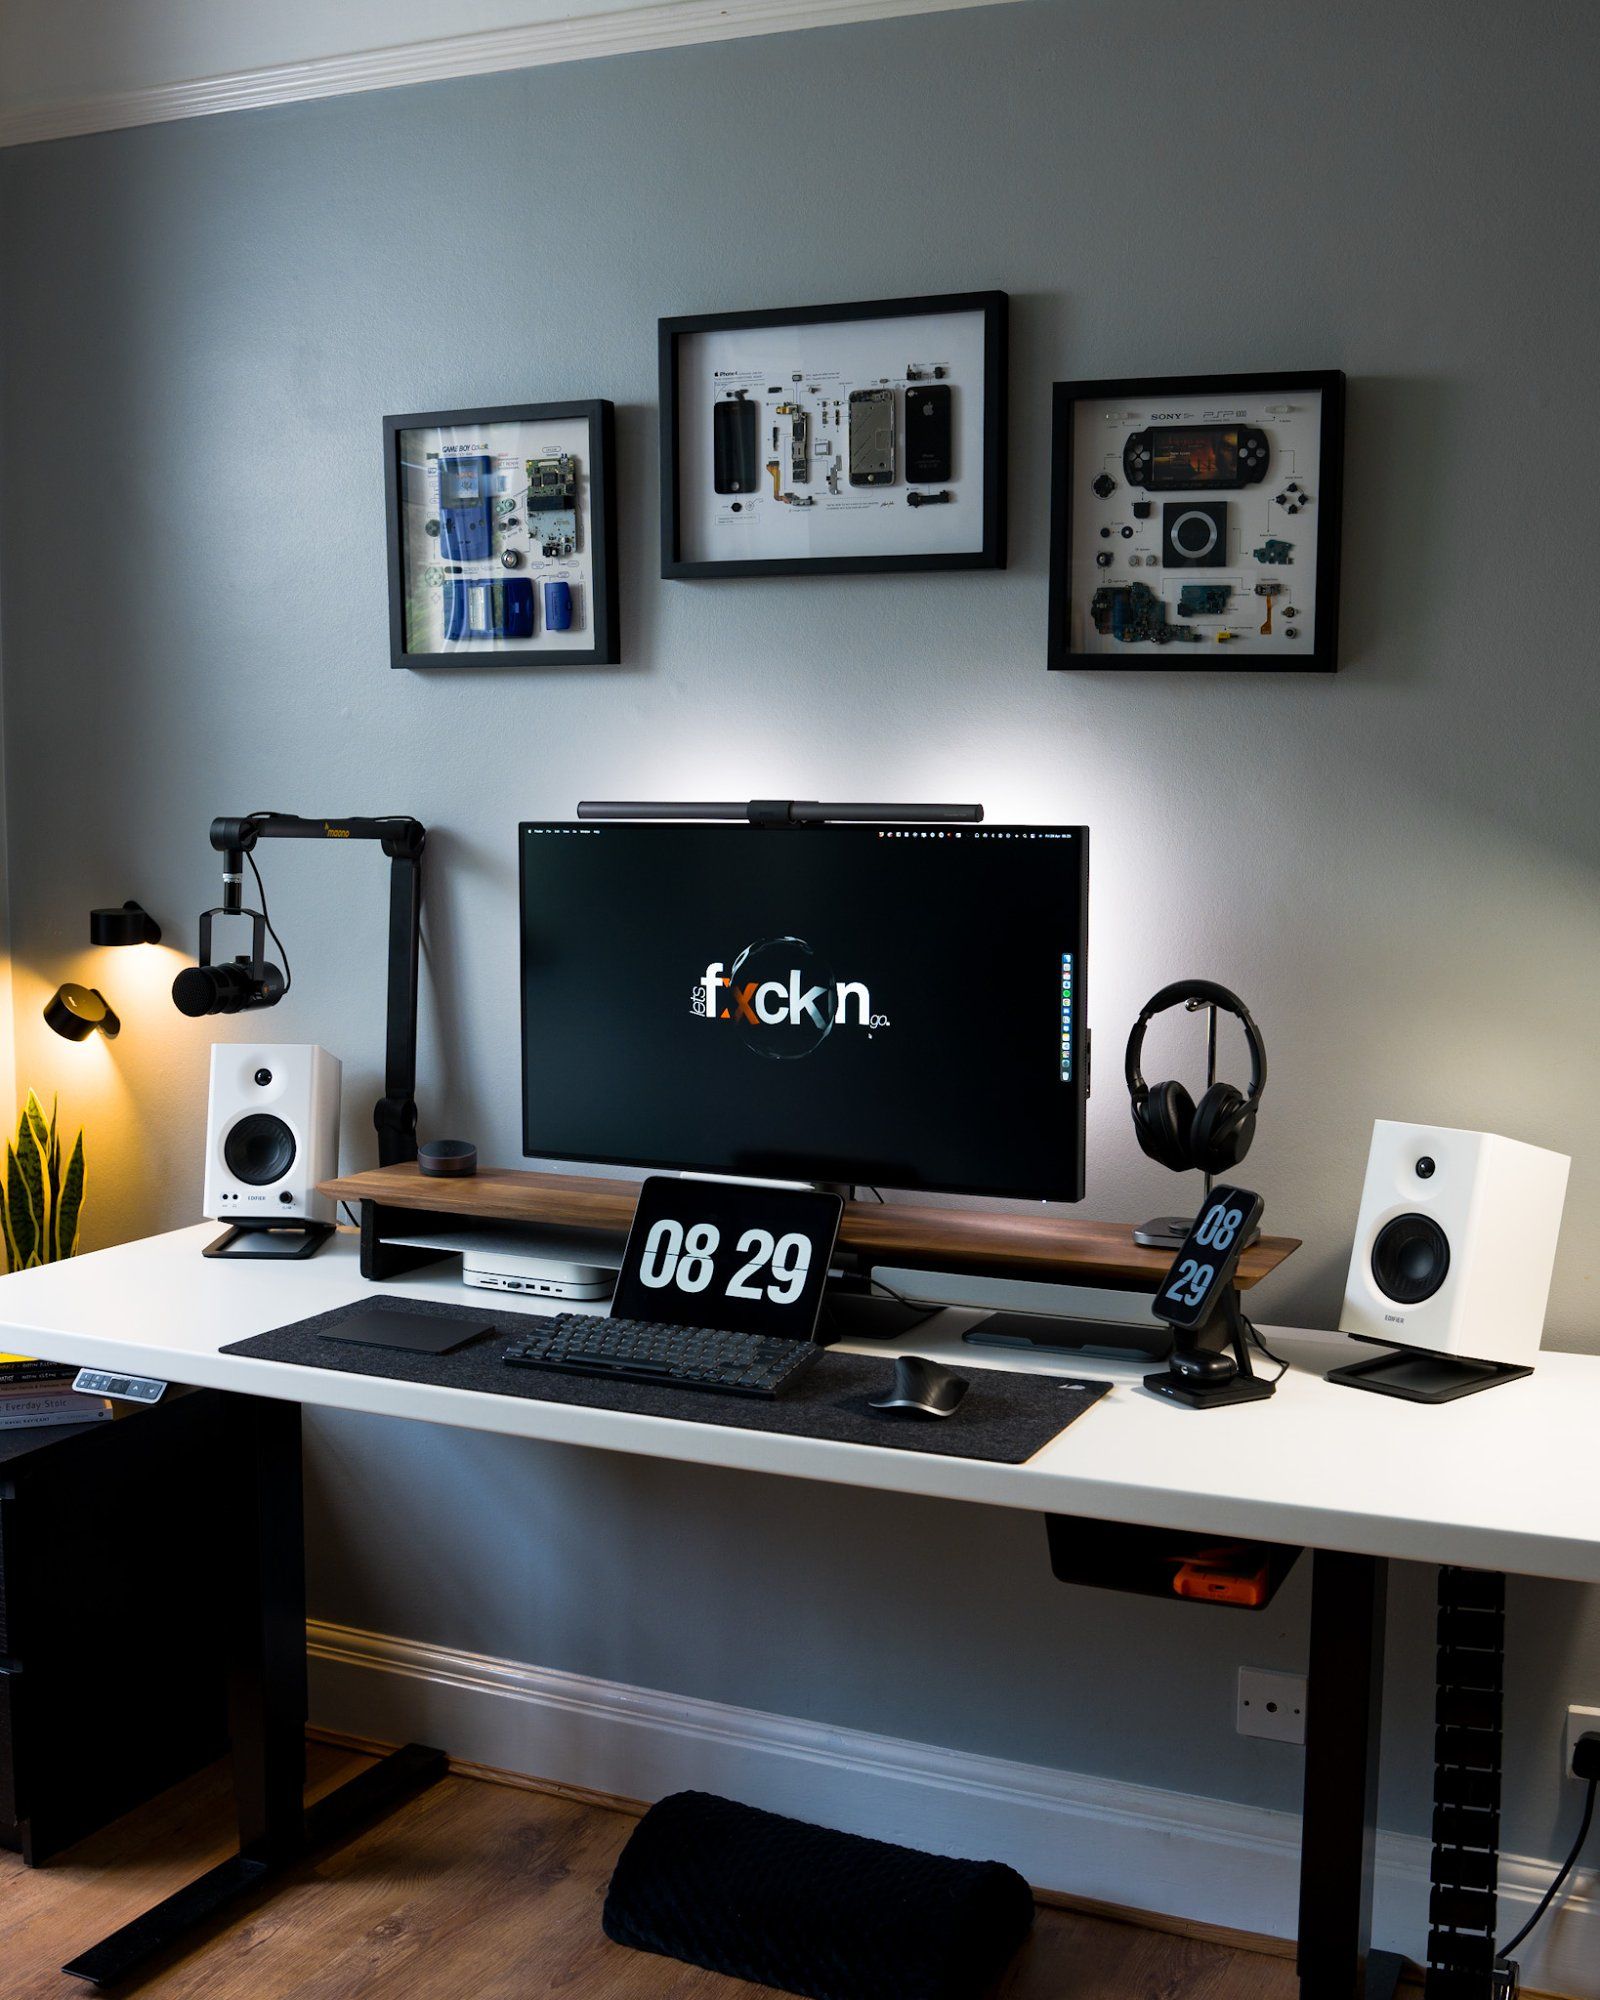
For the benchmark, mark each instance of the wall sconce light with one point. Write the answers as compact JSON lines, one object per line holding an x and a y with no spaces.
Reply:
{"x":76,"y":1011}
{"x":132,"y":924}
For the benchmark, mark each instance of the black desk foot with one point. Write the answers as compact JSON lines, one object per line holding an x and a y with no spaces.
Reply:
{"x":365,"y":1798}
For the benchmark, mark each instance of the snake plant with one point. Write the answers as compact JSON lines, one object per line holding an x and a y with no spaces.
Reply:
{"x":42,"y":1204}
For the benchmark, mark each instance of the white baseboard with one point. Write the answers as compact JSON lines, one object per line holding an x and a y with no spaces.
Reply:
{"x":659,"y":24}
{"x":1203,"y":1860}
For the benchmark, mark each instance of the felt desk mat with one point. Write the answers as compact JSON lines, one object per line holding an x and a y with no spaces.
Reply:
{"x":1005,"y":1416}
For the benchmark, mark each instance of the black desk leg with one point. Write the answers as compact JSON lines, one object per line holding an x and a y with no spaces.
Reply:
{"x":267,"y":1698}
{"x":267,"y":1705}
{"x":1344,"y":1695}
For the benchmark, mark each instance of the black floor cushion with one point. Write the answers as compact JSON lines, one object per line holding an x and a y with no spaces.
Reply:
{"x":826,"y":1914}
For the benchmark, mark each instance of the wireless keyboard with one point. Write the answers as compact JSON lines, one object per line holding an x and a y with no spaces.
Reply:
{"x":684,"y":1357}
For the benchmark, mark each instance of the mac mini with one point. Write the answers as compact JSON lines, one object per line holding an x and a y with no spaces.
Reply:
{"x":550,"y":1265}
{"x":558,"y":1269}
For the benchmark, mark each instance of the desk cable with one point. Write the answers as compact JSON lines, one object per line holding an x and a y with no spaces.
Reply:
{"x":1581,"y":1767}
{"x":261,"y":891}
{"x":874,"y":1282}
{"x":1257,"y":1341}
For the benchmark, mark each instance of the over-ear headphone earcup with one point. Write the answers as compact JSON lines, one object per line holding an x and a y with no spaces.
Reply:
{"x":1162,"y":1124}
{"x":1219,"y":1136}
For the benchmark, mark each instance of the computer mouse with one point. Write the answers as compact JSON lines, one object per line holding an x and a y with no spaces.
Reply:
{"x":923,"y":1389}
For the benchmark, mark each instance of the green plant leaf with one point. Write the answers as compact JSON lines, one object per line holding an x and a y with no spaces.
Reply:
{"x":69,"y":1210}
{"x":33,"y":1118}
{"x":12,"y":1262}
{"x":52,"y":1165}
{"x":31,"y":1159}
{"x":21,"y":1215}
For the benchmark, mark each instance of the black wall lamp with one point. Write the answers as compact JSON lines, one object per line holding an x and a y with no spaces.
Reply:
{"x":132,"y":924}
{"x":76,"y":1011}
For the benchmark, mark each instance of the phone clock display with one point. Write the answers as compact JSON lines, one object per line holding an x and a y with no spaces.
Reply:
{"x":1204,"y":1267}
{"x":743,"y":1259}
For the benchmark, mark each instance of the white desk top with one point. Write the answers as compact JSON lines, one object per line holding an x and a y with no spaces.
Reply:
{"x":1504,"y":1480}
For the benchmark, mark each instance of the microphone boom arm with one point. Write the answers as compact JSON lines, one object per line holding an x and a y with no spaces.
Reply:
{"x":402,"y":840}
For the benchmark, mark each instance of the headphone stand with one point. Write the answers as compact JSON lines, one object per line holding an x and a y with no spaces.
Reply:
{"x":1170,"y":1232}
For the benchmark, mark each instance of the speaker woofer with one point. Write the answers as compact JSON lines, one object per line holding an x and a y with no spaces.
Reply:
{"x":259,"y":1150}
{"x":1410,"y":1259}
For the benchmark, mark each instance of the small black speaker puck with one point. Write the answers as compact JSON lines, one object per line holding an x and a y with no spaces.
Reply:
{"x":448,"y":1156}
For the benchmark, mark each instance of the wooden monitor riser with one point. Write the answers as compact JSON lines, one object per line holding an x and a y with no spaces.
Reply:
{"x":1045,"y":1246}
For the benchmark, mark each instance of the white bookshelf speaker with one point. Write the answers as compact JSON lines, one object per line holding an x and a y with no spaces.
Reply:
{"x":272,"y":1133}
{"x":1454,"y":1248}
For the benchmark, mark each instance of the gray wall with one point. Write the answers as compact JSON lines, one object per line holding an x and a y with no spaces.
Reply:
{"x":209,"y":319}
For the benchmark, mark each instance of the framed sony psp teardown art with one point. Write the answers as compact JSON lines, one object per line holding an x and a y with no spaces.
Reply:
{"x":820,"y":440}
{"x":1195,"y":523}
{"x":501,"y":529}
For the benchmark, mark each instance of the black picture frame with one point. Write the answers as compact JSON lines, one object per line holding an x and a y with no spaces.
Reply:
{"x":994,"y":309}
{"x":604,"y":649}
{"x":1322,"y":655}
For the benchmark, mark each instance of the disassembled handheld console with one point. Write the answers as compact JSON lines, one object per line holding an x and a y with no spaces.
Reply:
{"x":1190,"y":508}
{"x":553,"y":504}
{"x":466,"y":526}
{"x":497,"y":514}
{"x":1200,"y":458}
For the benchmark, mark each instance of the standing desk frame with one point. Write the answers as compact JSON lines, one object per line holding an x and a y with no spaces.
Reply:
{"x":1356,"y":1479}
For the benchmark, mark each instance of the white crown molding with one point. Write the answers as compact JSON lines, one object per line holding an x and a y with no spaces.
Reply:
{"x":1202,"y":1860}
{"x":663,"y":24}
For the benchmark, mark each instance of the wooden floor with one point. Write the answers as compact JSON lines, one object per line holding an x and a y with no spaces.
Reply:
{"x":479,"y":1891}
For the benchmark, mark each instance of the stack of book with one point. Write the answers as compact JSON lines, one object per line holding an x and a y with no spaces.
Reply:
{"x":36,"y":1393}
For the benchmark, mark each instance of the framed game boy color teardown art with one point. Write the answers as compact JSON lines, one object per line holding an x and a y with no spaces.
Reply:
{"x":501,"y":529}
{"x":1195,"y":523}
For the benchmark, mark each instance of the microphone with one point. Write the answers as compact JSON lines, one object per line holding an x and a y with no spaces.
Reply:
{"x":228,"y":988}
{"x":231,"y":986}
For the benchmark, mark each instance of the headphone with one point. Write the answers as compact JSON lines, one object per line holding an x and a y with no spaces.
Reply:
{"x":1214,"y":1134}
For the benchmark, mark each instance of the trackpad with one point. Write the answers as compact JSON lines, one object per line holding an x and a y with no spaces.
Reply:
{"x":385,"y":1325}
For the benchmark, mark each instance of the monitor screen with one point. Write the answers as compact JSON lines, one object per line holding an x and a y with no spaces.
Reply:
{"x":881,"y":1006}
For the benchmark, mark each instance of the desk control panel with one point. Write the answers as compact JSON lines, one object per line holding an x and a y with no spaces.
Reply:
{"x":121,"y":1388}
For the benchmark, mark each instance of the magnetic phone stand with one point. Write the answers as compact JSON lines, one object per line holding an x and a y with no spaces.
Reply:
{"x":285,"y":1242}
{"x":1223,"y":1327}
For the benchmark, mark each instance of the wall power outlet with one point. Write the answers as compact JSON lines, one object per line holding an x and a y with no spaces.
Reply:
{"x":1271,"y":1704}
{"x":1579,"y":1722}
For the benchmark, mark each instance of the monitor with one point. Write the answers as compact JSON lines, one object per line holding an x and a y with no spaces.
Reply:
{"x":874,"y":1005}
